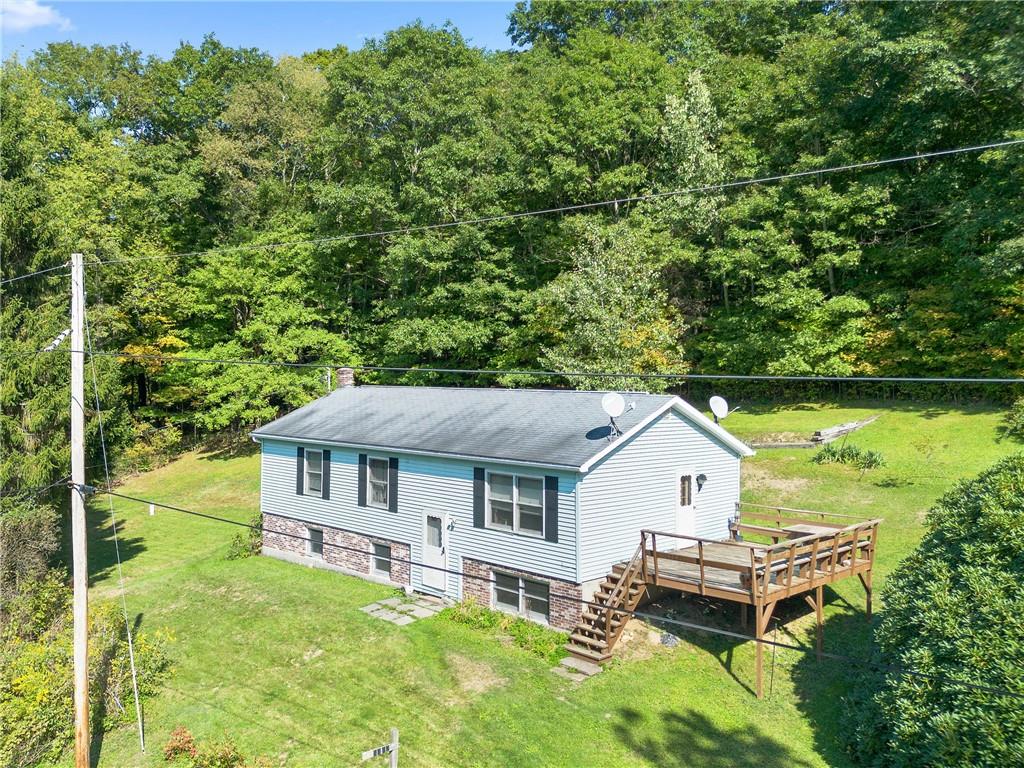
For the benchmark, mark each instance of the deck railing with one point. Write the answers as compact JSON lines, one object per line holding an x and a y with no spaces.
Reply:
{"x":764,"y":571}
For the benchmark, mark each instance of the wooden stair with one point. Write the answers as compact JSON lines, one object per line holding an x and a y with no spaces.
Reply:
{"x":600,"y":625}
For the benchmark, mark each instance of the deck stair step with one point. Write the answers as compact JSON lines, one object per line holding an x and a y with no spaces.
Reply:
{"x":591,"y":642}
{"x":601,"y":625}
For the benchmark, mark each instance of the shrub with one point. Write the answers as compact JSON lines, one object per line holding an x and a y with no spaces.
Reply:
{"x":537,"y":639}
{"x":1013,"y":422}
{"x":29,"y":536}
{"x":180,"y":744}
{"x":863,"y":460}
{"x":953,"y":609}
{"x":249,"y":541}
{"x":36,"y":672}
{"x":152,"y":447}
{"x":182,"y":748}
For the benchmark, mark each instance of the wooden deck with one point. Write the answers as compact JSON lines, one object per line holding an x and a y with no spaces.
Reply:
{"x":773,"y":553}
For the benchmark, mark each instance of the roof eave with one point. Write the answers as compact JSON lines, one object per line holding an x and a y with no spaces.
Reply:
{"x":257,"y":437}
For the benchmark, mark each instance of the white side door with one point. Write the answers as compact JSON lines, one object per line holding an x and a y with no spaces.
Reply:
{"x":435,"y":545}
{"x":686,"y":514}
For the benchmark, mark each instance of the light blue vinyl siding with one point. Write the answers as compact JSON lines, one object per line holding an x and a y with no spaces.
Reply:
{"x":635,"y":487}
{"x":434,"y":484}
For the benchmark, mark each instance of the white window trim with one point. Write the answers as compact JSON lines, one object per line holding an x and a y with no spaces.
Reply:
{"x":305,"y":472}
{"x":387,"y":482}
{"x":515,"y":505}
{"x":309,"y":542}
{"x":374,"y":557}
{"x":521,"y":587}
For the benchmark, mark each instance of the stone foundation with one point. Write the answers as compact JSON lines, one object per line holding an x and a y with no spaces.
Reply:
{"x":344,"y":549}
{"x":563,"y":596}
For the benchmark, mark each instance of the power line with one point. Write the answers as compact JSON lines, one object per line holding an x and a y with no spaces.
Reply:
{"x":575,"y":207}
{"x":567,"y":374}
{"x":113,"y":527}
{"x":16,"y":278}
{"x":588,"y":603}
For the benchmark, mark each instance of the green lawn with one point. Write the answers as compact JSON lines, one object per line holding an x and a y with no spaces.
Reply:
{"x":279,"y":658}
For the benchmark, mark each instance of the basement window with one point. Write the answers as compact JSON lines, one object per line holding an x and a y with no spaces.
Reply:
{"x":382,"y":560}
{"x":522,"y":596}
{"x":315,"y":543}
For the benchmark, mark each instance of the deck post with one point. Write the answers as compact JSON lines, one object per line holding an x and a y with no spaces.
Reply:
{"x":865,"y":580}
{"x":819,"y":598}
{"x":761,"y":618}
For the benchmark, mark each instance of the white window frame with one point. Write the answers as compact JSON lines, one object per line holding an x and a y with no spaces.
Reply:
{"x":521,"y":589}
{"x":309,"y":542}
{"x":516,"y":527}
{"x":305,"y":472}
{"x":375,"y":558}
{"x":369,"y":482}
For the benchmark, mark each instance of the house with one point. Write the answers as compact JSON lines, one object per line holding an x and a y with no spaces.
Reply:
{"x":533,"y":491}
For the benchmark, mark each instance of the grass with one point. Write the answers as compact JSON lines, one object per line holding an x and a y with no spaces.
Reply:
{"x":279,"y":658}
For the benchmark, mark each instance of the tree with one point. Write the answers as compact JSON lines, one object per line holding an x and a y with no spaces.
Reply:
{"x":954,"y":611}
{"x":609,"y":312}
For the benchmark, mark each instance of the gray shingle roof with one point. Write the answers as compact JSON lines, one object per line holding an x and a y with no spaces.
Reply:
{"x":552,"y":427}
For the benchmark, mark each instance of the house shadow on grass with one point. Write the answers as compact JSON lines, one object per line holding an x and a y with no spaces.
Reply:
{"x":689,"y":738}
{"x":818,"y":686}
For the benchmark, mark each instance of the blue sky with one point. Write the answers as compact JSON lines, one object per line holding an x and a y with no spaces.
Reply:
{"x":276,"y":27}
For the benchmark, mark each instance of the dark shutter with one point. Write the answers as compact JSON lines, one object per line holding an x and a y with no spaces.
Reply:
{"x":479,"y":489}
{"x":551,"y":508}
{"x":325,"y":480}
{"x":362,"y":480}
{"x":300,"y":470}
{"x":392,"y":484}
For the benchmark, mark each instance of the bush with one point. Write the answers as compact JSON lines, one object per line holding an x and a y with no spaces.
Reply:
{"x":152,"y":447}
{"x":29,"y":536}
{"x":1013,"y":422}
{"x":954,"y":608}
{"x":36,"y":672}
{"x":537,"y":639}
{"x":182,"y":749}
{"x":849,"y":454}
{"x":249,"y":541}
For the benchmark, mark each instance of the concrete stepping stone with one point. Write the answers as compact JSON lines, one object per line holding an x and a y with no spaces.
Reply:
{"x":580,"y":666}
{"x":568,"y":674}
{"x":406,"y":607}
{"x":385,"y":614}
{"x":391,"y":602}
{"x":371,"y":608}
{"x":403,"y":620}
{"x":422,"y":613}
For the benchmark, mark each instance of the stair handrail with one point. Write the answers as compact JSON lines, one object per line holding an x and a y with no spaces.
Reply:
{"x":625,"y":579}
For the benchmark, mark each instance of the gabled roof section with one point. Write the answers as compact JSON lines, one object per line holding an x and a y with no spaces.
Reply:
{"x":562,"y":429}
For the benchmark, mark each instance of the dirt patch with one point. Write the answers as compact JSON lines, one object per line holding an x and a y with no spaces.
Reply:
{"x":638,"y":641}
{"x":474,"y":677}
{"x":759,"y":478}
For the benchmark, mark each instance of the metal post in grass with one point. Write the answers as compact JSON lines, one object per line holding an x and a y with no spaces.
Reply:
{"x":390,"y":749}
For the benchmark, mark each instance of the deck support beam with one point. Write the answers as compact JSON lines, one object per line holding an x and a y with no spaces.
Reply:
{"x":865,"y":580}
{"x":762,"y":615}
{"x":817,"y":603}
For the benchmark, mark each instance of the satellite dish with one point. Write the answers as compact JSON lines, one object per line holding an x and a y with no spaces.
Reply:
{"x":613,"y":404}
{"x":719,"y":407}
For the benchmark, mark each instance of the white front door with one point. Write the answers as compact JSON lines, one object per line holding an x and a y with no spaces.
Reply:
{"x":435,"y":540}
{"x":686,"y":517}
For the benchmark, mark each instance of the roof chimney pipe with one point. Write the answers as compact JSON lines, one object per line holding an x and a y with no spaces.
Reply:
{"x":346,"y":378}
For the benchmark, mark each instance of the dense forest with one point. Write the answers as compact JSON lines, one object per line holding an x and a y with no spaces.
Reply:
{"x":215,"y":153}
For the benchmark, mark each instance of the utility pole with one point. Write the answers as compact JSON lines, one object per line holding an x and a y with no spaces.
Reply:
{"x":78,"y":530}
